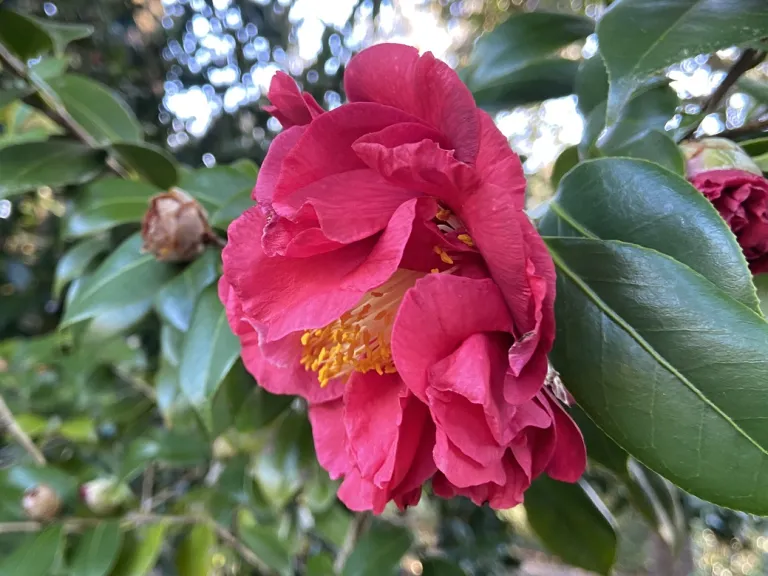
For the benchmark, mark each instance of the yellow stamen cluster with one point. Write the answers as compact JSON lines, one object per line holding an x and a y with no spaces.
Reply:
{"x":443,"y":214}
{"x":443,"y":255}
{"x":359,"y":341}
{"x":467,"y":239}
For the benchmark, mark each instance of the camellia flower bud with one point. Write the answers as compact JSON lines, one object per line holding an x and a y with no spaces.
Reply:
{"x":175,"y":228}
{"x":105,"y":495}
{"x":716,"y":154}
{"x":41,"y":502}
{"x":735,"y":185}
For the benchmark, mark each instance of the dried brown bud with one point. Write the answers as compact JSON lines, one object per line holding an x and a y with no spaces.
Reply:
{"x":175,"y":228}
{"x":41,"y":503}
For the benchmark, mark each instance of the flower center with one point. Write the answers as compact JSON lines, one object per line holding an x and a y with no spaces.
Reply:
{"x":359,"y":341}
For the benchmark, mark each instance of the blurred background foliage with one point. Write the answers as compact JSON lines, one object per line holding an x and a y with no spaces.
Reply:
{"x":102,"y":397}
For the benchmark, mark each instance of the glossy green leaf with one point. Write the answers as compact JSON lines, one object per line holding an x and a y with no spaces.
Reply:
{"x":100,"y":111}
{"x":591,"y":84}
{"x":656,"y":146}
{"x":378,"y":551}
{"x":210,"y":349}
{"x":263,"y":541}
{"x":24,"y":477}
{"x":320,"y":565}
{"x":76,"y":260}
{"x":232,"y":209}
{"x":151,"y":163}
{"x":23,"y":36}
{"x":568,"y":159}
{"x":176,"y":301}
{"x":62,"y":34}
{"x":79,"y":429}
{"x":758,"y":150}
{"x":97,"y":550}
{"x":195,"y":552}
{"x":440,"y":567}
{"x":50,"y":67}
{"x":540,"y":80}
{"x":140,"y":551}
{"x":333,"y":524}
{"x":667,"y":364}
{"x":108,"y":203}
{"x":12,"y":94}
{"x":126,"y":278}
{"x":761,"y":283}
{"x":641,"y":203}
{"x":54,"y":163}
{"x":670,"y":32}
{"x":215,"y":187}
{"x":510,"y":56}
{"x":572,"y":523}
{"x":37,"y":555}
{"x":600,"y":448}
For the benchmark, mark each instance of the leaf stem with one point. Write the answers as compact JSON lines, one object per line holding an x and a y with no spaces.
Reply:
{"x":239,"y":547}
{"x":55,"y":109}
{"x":749,"y":128}
{"x":8,"y":422}
{"x":749,"y":59}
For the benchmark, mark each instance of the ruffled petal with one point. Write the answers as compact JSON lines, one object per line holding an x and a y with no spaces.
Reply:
{"x":436,"y":316}
{"x":329,"y":437}
{"x":289,"y":104}
{"x":395,"y":75}
{"x":570,"y":456}
{"x":499,"y":165}
{"x":269,"y":171}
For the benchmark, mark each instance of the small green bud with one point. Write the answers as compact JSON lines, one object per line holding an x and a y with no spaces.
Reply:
{"x":105,"y":495}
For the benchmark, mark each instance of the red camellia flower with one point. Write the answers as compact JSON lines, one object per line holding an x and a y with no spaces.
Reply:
{"x":730,"y":179}
{"x":389,"y":276}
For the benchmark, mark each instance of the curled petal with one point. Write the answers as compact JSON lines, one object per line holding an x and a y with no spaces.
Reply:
{"x":329,"y":436}
{"x":289,"y":104}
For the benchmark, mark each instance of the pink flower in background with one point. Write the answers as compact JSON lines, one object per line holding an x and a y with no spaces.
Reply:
{"x":390,"y":277}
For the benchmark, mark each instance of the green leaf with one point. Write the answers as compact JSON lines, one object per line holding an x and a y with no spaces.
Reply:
{"x":541,"y":80}
{"x":280,"y":468}
{"x":506,"y":62}
{"x":215,"y":187}
{"x":62,"y":34}
{"x":23,"y":36}
{"x":755,"y":88}
{"x":127,"y":278}
{"x":82,"y":430}
{"x":50,"y":67}
{"x":378,"y":551}
{"x":25,"y":477}
{"x":656,"y":146}
{"x":758,"y":150}
{"x":99,"y":110}
{"x":107,"y":203}
{"x":666,"y":364}
{"x":440,"y":567}
{"x":13,"y":94}
{"x":151,"y":163}
{"x":641,"y":203}
{"x":600,"y":448}
{"x":572,"y":523}
{"x":210,"y":349}
{"x":263,"y":541}
{"x":232,"y":209}
{"x":637,"y":38}
{"x":97,"y":550}
{"x":195,"y":553}
{"x":320,"y":565}
{"x":591,"y":84}
{"x":76,"y":260}
{"x":761,"y":283}
{"x":176,"y":301}
{"x":36,"y":556}
{"x":140,"y":551}
{"x":247,"y":167}
{"x":568,"y":159}
{"x":54,"y":163}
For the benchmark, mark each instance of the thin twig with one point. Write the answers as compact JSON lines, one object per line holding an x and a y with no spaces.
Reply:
{"x":748,"y":60}
{"x":8,"y":422}
{"x":55,"y":109}
{"x":78,"y":524}
{"x":746,"y":129}
{"x":147,"y":486}
{"x":356,"y":528}
{"x":239,"y":547}
{"x":166,"y":494}
{"x":138,"y":383}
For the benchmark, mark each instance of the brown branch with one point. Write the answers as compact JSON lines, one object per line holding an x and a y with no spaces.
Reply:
{"x":240,"y":548}
{"x":748,"y":60}
{"x":356,"y":528}
{"x":745,"y":130}
{"x":8,"y":422}
{"x":54,"y":108}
